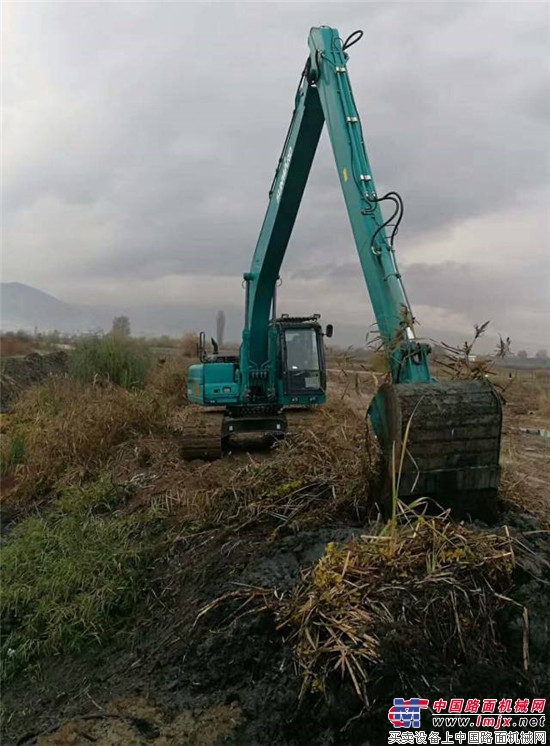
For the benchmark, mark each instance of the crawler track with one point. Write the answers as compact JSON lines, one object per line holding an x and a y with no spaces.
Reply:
{"x":201,"y":435}
{"x":202,"y":431}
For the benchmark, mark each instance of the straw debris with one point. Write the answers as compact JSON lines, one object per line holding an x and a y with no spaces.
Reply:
{"x":427,"y":591}
{"x":323,"y":473}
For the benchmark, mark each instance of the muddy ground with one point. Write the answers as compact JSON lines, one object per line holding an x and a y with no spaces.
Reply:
{"x":235,"y":682}
{"x":170,"y":679}
{"x":18,"y":373}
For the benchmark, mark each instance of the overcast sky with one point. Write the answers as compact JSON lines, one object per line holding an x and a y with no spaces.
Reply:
{"x":140,"y":141}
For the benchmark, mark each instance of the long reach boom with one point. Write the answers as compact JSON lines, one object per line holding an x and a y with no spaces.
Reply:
{"x":439,"y":439}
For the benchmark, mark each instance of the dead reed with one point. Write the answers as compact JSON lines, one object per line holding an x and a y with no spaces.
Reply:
{"x":427,"y":589}
{"x":65,"y":426}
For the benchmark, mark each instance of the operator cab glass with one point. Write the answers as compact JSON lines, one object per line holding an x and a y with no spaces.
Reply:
{"x":302,"y":360}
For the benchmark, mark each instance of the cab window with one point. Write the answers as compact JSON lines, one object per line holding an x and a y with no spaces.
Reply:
{"x":301,"y":349}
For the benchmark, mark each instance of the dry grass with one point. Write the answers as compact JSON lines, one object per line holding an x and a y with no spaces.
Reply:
{"x":378,"y":362}
{"x":63,"y":427}
{"x":324,"y":472}
{"x":543,"y":401}
{"x":516,"y":491}
{"x":457,"y":361}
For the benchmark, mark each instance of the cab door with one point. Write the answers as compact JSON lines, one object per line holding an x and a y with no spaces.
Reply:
{"x":303,"y":368}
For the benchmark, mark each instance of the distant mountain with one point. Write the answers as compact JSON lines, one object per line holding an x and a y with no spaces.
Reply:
{"x":25,"y":307}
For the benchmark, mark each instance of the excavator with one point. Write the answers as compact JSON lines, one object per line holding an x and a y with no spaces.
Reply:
{"x":442,"y":437}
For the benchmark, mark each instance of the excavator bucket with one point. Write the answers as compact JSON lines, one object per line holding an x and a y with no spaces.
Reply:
{"x":441,"y":440}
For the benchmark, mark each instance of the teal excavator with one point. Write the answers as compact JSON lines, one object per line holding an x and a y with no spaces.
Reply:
{"x":443,"y":436}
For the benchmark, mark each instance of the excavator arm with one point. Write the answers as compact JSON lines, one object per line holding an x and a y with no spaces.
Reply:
{"x":285,"y":196}
{"x":439,"y":439}
{"x":324,"y":95}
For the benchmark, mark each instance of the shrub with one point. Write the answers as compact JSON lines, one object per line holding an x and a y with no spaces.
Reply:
{"x":169,"y":379}
{"x":69,"y":575}
{"x":190,"y":345}
{"x":117,"y":359}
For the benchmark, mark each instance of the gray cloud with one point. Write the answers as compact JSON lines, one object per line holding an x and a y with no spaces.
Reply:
{"x":455,"y":285}
{"x":475,"y":294}
{"x":166,"y":120}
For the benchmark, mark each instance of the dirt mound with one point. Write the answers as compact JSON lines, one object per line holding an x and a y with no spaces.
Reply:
{"x":18,"y":373}
{"x":231,"y":676}
{"x":240,"y":655}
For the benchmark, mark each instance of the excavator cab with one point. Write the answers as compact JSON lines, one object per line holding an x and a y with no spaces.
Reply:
{"x":302,"y":376}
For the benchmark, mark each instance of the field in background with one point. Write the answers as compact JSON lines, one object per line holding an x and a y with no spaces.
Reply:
{"x":128,"y":571}
{"x":21,"y":343}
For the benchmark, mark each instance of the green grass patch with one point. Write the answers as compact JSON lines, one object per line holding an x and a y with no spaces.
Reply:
{"x":12,"y":453}
{"x":70,"y":575}
{"x":119,"y":360}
